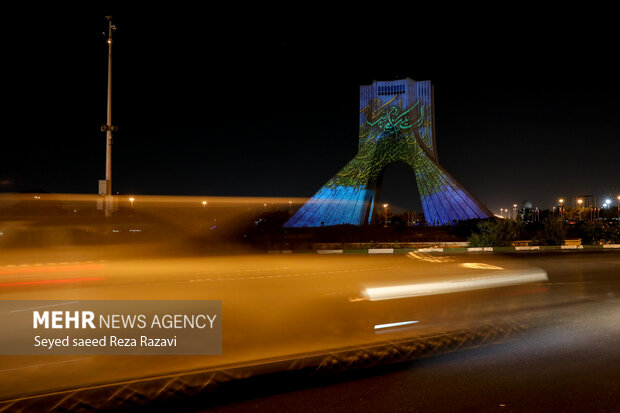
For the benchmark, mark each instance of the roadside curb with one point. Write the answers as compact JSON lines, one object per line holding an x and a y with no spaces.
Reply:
{"x":454,"y":250}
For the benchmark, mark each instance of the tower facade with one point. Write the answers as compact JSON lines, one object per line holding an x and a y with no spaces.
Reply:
{"x":395,"y":124}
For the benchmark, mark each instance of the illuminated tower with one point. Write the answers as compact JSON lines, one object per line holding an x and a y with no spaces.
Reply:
{"x":396,"y":124}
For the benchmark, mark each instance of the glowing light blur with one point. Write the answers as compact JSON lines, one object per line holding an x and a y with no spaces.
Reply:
{"x":399,"y":324}
{"x":49,"y":268}
{"x":59,"y":281}
{"x":428,"y":258}
{"x":480,"y":266}
{"x":279,"y":306}
{"x":455,"y":285}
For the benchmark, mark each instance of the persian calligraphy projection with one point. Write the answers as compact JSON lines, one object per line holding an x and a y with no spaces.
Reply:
{"x":395,"y":125}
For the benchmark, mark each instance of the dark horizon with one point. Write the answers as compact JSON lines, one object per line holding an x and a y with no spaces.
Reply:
{"x":275,"y":112}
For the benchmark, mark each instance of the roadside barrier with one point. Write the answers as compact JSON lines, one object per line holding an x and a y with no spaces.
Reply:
{"x":452,"y":249}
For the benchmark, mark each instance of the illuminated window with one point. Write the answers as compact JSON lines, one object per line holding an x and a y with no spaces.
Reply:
{"x":390,"y":90}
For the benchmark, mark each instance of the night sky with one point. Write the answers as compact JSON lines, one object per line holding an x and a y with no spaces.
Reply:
{"x":212,"y":103}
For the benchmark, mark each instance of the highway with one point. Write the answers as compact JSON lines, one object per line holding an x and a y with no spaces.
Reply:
{"x":521,"y":323}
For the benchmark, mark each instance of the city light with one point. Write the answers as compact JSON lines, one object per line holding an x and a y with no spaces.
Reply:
{"x":385,"y":213}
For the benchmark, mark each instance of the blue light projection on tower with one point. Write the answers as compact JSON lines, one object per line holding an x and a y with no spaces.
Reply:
{"x":395,"y":124}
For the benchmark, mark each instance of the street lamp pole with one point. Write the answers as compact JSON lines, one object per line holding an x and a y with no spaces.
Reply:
{"x":385,"y":214}
{"x":105,"y":186}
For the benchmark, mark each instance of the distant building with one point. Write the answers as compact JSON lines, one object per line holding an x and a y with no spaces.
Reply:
{"x":529,"y":212}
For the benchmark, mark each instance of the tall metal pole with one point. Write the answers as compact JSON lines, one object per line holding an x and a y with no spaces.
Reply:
{"x":108,"y":154}
{"x":105,"y":187}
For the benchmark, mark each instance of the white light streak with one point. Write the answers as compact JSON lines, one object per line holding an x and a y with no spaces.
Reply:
{"x":480,"y":266}
{"x":453,"y":286}
{"x":402,"y":323}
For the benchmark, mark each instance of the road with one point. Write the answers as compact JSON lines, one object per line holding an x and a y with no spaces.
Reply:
{"x":566,"y":361}
{"x":548,"y":321}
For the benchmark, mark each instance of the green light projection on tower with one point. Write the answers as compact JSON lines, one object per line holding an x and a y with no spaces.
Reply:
{"x":396,"y":124}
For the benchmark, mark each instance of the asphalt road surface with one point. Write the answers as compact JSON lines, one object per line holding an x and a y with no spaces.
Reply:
{"x":568,"y":360}
{"x":506,"y":332}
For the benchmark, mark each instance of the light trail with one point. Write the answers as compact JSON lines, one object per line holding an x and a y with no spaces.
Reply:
{"x":401,"y":323}
{"x":452,"y":286}
{"x":43,"y":306}
{"x":51,"y":269}
{"x":59,"y":281}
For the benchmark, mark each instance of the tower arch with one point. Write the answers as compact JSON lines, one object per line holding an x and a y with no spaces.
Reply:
{"x":396,"y":125}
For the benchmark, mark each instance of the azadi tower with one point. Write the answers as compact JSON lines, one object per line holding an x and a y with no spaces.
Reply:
{"x":396,"y":124}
